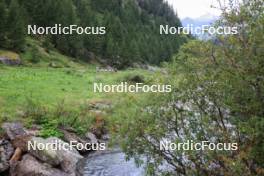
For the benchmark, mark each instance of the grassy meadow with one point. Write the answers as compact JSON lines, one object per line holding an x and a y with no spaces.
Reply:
{"x":49,"y":96}
{"x":49,"y":85}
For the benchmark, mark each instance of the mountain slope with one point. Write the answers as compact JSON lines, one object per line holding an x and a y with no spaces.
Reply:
{"x":132,"y":28}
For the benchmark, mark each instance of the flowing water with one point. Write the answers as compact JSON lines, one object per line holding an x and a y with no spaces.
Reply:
{"x":111,"y":163}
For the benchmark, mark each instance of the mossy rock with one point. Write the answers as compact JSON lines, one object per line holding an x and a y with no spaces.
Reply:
{"x":9,"y":58}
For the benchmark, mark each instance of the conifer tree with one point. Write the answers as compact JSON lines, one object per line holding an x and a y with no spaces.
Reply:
{"x":132,"y":27}
{"x":15,"y":27}
{"x":3,"y":16}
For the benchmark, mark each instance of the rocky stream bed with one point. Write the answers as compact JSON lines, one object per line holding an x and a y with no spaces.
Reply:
{"x":17,"y":159}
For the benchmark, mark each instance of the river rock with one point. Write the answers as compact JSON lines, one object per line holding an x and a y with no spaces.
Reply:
{"x":91,"y":137}
{"x":22,"y":142}
{"x":13,"y":130}
{"x":56,"y":153}
{"x":29,"y":166}
{"x":72,"y":137}
{"x":46,"y":154}
{"x":6,"y":151}
{"x":68,"y":158}
{"x":17,"y":135}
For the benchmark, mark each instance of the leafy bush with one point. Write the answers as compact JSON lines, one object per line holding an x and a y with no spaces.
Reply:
{"x":135,"y":78}
{"x":50,"y":128}
{"x":217,"y":97}
{"x":35,"y":55}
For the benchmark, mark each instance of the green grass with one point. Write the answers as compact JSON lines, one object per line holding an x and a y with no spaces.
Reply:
{"x":34,"y":95}
{"x":60,"y":94}
{"x":49,"y":86}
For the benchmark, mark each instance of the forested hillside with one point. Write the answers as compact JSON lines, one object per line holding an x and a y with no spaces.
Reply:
{"x":132,"y":28}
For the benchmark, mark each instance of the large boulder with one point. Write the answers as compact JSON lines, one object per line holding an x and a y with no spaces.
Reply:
{"x":69,"y":157}
{"x":29,"y":166}
{"x":52,"y":151}
{"x":43,"y":150}
{"x":6,"y":151}
{"x":89,"y":140}
{"x":72,"y":137}
{"x":56,"y":153}
{"x":22,"y":142}
{"x":13,"y":130}
{"x":91,"y":137}
{"x":8,"y":61}
{"x":17,"y":135}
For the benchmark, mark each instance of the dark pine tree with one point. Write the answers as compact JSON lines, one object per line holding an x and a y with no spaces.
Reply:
{"x":3,"y":18}
{"x":15,"y":27}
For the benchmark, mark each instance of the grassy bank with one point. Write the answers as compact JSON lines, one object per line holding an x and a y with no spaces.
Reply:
{"x":52,"y":97}
{"x":49,"y":85}
{"x":52,"y":90}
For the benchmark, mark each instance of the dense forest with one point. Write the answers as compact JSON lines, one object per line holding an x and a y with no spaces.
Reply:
{"x":132,"y":28}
